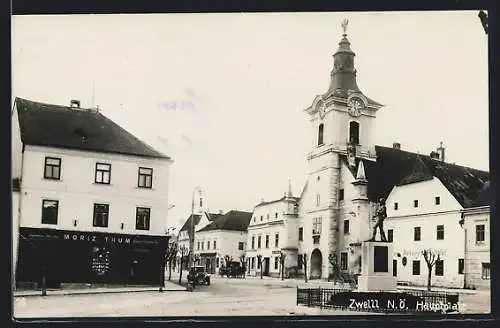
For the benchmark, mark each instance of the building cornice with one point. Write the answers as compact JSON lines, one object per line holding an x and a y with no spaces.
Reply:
{"x":457,"y":211}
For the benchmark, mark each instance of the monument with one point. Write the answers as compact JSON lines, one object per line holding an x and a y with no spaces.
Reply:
{"x":376,"y":259}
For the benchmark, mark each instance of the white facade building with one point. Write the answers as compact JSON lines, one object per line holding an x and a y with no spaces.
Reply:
{"x":222,"y":240}
{"x":476,"y":223}
{"x":85,"y":179}
{"x":273,"y":232}
{"x":349,"y":174}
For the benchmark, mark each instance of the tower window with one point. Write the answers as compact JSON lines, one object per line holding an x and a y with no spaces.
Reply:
{"x":354,"y":132}
{"x":320,"y":134}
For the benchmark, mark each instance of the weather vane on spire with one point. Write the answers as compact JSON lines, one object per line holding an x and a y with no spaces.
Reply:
{"x":344,"y":24}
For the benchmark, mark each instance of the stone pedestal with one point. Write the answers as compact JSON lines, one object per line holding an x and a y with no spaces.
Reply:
{"x":376,"y":267}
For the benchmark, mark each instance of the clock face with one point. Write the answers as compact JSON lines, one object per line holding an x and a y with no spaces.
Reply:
{"x":354,"y":107}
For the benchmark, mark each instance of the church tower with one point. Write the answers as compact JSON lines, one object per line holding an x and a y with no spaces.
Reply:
{"x":342,"y":125}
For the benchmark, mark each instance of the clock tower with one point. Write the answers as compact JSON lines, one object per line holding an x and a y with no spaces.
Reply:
{"x":342,"y":124}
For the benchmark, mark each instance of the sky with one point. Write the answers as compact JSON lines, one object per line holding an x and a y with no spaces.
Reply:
{"x":224,"y":94}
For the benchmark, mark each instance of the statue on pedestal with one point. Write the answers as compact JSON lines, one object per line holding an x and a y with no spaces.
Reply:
{"x":381,"y":214}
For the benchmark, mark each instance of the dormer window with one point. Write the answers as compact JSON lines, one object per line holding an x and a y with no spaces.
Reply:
{"x":320,"y":134}
{"x":354,"y":133}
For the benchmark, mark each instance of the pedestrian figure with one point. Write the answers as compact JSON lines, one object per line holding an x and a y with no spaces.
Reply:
{"x":380,"y":215}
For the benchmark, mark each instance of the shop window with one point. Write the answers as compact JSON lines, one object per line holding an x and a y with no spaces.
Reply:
{"x":101,"y":215}
{"x":142,"y":218}
{"x":145,"y":179}
{"x":416,"y":268}
{"x":50,"y":209}
{"x":52,"y":168}
{"x":439,"y":268}
{"x":102,"y":173}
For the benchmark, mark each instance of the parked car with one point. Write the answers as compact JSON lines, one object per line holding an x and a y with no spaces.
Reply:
{"x":198,"y":275}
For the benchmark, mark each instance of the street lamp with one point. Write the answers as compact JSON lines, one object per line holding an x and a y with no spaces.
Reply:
{"x":191,"y":239}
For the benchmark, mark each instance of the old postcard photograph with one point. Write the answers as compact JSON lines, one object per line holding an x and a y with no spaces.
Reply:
{"x":250,"y":164}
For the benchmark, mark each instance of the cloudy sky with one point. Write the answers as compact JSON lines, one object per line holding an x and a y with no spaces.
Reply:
{"x":224,"y":94}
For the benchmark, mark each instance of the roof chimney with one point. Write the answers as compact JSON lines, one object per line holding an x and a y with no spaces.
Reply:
{"x":434,"y":155}
{"x":75,"y":103}
{"x":396,"y":145}
{"x":440,"y":151}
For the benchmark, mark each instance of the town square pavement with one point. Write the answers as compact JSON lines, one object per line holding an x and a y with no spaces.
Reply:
{"x":225,"y":296}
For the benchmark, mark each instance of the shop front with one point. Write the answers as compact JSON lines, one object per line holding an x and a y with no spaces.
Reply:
{"x":90,"y":257}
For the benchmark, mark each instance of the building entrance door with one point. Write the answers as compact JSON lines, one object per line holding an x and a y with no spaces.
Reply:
{"x":266,"y":266}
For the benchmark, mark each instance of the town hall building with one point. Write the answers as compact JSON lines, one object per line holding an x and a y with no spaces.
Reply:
{"x":349,"y":174}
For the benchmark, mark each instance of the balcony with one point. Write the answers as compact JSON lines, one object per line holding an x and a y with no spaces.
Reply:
{"x":341,"y":147}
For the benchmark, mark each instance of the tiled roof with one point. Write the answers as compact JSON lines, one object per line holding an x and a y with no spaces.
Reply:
{"x":197,"y":218}
{"x":76,"y":128}
{"x":232,"y":220}
{"x":396,"y":167}
{"x":262,"y":203}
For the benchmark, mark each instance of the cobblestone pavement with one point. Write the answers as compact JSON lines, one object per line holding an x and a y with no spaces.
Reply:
{"x":225,"y":296}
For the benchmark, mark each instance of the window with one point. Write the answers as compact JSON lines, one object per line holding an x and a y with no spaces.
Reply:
{"x":50,"y":208}
{"x":320,"y":134}
{"x":415,"y":203}
{"x":142,"y":218}
{"x":202,"y":245}
{"x":485,"y":271}
{"x":275,"y":215}
{"x":416,"y":234}
{"x":461,"y":265}
{"x":439,"y":268}
{"x":208,"y":245}
{"x":416,"y":268}
{"x":354,"y":133}
{"x":343,"y":261}
{"x":102,"y":173}
{"x":241,"y":246}
{"x":217,"y":262}
{"x":254,"y":219}
{"x":253,"y":242}
{"x":396,"y":206}
{"x":215,"y":245}
{"x":341,"y":195}
{"x":301,"y":234}
{"x":261,"y":218}
{"x":440,"y":232}
{"x":145,"y":178}
{"x":267,"y":241}
{"x":52,"y":169}
{"x":317,"y":226}
{"x":276,"y":240}
{"x":480,"y":233}
{"x":390,"y":235}
{"x":318,"y":200}
{"x":346,"y":227}
{"x":276,"y":262}
{"x":101,"y":215}
{"x":201,"y":202}
{"x":437,"y":200}
{"x":258,"y":241}
{"x":267,"y":216}
{"x":253,"y":262}
{"x":300,"y":261}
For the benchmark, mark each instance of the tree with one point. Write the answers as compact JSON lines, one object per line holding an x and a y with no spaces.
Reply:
{"x":335,"y":275}
{"x":184,"y":253}
{"x":282,"y":265}
{"x":304,"y":262}
{"x":259,"y":264}
{"x":243,"y":261}
{"x":170,"y":258}
{"x":431,"y":258}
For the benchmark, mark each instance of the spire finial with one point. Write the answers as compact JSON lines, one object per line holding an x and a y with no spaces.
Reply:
{"x":290,"y":188}
{"x":344,"y":24}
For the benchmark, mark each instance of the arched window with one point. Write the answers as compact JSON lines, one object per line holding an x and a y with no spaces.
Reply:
{"x":354,"y":132}
{"x":320,"y":134}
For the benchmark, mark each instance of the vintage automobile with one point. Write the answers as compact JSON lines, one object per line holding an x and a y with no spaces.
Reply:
{"x":198,"y":275}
